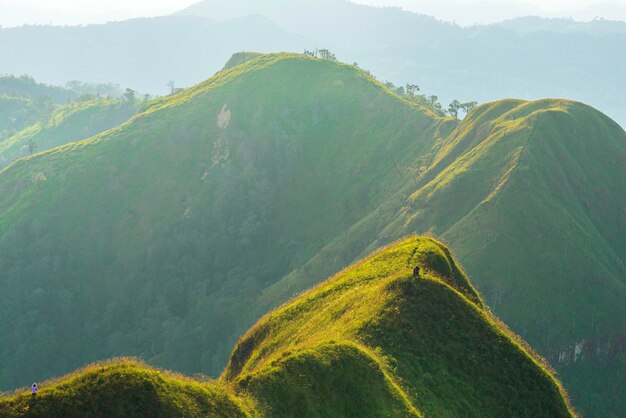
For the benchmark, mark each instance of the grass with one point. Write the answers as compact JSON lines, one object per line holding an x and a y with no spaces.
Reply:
{"x":68,"y":123}
{"x":124,"y":388}
{"x":430,"y":337}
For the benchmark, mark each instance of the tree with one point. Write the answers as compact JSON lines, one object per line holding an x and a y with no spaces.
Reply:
{"x":325,"y":54}
{"x":469,"y":106}
{"x":172,"y":86}
{"x":310,"y":53}
{"x":412,"y":90}
{"x":32,"y":147}
{"x":129,"y":95}
{"x":453,"y":108}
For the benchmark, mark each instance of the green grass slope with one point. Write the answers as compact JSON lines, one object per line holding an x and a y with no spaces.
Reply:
{"x":16,"y":113}
{"x":430,"y":338}
{"x":68,"y":123}
{"x":530,"y":195}
{"x":123,"y":388}
{"x":154,"y":239}
{"x":240,"y":58}
{"x":373,"y":341}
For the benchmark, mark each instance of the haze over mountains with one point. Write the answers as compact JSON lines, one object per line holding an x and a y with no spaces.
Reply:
{"x":523,"y":59}
{"x":167,"y":237}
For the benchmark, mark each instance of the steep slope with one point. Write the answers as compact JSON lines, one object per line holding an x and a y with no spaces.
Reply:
{"x":69,"y":123}
{"x":240,"y":58}
{"x":154,"y":239}
{"x":373,"y":341}
{"x":531,"y":197}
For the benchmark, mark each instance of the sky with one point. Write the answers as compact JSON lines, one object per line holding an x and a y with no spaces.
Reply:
{"x":465,"y":12}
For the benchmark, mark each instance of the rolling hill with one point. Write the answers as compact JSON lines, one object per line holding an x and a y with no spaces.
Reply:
{"x":372,"y":341}
{"x":155,"y":238}
{"x":67,"y":123}
{"x":167,"y":237}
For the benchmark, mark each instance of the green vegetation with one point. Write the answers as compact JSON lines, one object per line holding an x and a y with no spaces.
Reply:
{"x":154,"y":239}
{"x":167,"y":237}
{"x":123,"y":388}
{"x":240,"y":58}
{"x":430,"y":341}
{"x":68,"y":123}
{"x":372,"y":341}
{"x":16,"y":113}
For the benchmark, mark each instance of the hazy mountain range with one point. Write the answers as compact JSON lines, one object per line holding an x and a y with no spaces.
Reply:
{"x":526,"y":58}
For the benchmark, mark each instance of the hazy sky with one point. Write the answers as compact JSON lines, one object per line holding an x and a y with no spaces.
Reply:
{"x":17,"y":12}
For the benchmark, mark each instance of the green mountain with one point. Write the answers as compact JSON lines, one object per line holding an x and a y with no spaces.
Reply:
{"x":69,"y":123}
{"x":167,"y":237}
{"x":154,"y":239}
{"x":530,"y":196}
{"x":16,"y":113}
{"x":372,"y":341}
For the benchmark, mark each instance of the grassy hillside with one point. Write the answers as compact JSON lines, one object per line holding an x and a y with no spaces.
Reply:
{"x":154,"y":239}
{"x":373,"y":341}
{"x":530,"y":195}
{"x":123,"y":388}
{"x":68,"y":123}
{"x":240,"y":58}
{"x":430,"y":338}
{"x":16,"y":113}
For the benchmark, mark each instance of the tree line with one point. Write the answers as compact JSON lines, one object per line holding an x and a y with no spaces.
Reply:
{"x":410,"y":92}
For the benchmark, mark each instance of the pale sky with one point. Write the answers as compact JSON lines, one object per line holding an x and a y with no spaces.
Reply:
{"x":18,"y":12}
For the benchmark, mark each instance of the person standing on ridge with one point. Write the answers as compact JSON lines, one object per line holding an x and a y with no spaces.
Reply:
{"x":33,"y":390}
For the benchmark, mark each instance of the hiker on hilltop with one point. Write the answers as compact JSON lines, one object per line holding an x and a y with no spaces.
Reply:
{"x":33,"y":390}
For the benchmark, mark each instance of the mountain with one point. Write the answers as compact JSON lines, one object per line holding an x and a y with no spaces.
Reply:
{"x":25,"y":86}
{"x":16,"y":113}
{"x":166,"y":238}
{"x":340,"y":24}
{"x":372,"y":341}
{"x":530,"y":24}
{"x":515,"y":172}
{"x":155,"y":238}
{"x":69,"y":123}
{"x":144,"y":54}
